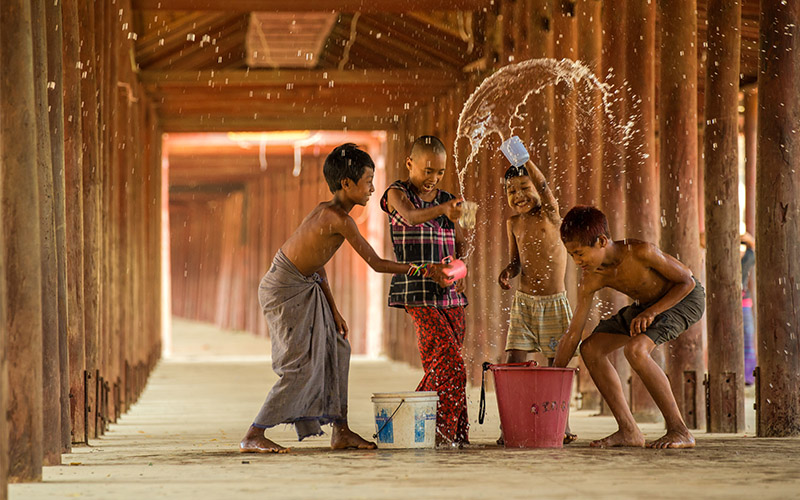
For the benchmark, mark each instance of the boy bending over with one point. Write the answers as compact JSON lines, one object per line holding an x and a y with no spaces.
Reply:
{"x":667,"y":300}
{"x":310,"y":351}
{"x":540,"y":312}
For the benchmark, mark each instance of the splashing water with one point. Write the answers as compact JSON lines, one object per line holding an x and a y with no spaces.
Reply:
{"x":499,"y":107}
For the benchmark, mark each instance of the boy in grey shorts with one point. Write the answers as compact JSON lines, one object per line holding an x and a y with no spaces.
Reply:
{"x":668,"y":299}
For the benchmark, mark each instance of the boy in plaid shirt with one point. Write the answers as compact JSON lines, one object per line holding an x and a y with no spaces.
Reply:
{"x":424,"y":229}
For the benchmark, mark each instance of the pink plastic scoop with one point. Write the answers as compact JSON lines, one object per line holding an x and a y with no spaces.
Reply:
{"x":455,"y":270}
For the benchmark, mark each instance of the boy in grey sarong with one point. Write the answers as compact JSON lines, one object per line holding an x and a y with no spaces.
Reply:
{"x":310,"y":351}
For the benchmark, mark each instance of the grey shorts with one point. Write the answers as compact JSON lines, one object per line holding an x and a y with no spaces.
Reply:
{"x":666,"y":326}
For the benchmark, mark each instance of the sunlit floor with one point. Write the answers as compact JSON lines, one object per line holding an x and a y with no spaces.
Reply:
{"x":180,"y":441}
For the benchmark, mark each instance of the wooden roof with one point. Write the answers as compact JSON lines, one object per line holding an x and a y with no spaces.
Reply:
{"x":361,"y":66}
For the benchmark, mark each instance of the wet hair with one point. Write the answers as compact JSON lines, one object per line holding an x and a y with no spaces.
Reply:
{"x":427,"y":144}
{"x":585,"y":225}
{"x":345,"y":162}
{"x":512,"y":172}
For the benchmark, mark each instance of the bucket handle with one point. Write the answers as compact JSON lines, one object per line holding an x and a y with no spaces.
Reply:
{"x":482,"y":407}
{"x":374,"y":436}
{"x":487,"y":366}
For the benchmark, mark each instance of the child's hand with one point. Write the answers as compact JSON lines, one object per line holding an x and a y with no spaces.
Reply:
{"x":453,"y":209}
{"x":341,"y":324}
{"x":436,"y":273}
{"x":504,"y":279}
{"x":641,"y":322}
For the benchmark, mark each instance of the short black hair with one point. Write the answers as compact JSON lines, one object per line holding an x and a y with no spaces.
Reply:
{"x":427,"y":144}
{"x":514,"y":171}
{"x":584,"y":224}
{"x":345,"y":162}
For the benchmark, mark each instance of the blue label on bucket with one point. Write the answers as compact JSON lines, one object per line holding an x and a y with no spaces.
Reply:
{"x":384,"y":425}
{"x":420,"y":416}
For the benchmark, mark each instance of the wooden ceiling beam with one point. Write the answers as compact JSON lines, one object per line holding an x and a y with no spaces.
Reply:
{"x":312,"y":5}
{"x":227,"y":124}
{"x":431,"y":78}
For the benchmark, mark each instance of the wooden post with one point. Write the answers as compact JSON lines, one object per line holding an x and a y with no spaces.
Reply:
{"x":51,"y":388}
{"x":724,"y":291}
{"x":4,"y":388}
{"x":91,"y":205}
{"x":73,"y":171}
{"x":613,"y":169}
{"x":641,"y":174}
{"x":539,"y":20}
{"x":680,"y":233}
{"x":22,"y":270}
{"x":563,"y":176}
{"x":55,"y":99}
{"x":590,"y":141}
{"x":778,"y":222}
{"x":750,"y":157}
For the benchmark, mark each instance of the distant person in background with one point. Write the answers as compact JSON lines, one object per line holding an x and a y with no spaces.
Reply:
{"x":748,"y":263}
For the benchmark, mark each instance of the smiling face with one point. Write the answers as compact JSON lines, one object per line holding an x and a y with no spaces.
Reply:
{"x":588,"y":258}
{"x":359,"y":192}
{"x":522,"y":195}
{"x":425,"y":170}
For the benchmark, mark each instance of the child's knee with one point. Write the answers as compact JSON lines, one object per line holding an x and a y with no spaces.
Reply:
{"x":636,"y":353}
{"x":590,"y":349}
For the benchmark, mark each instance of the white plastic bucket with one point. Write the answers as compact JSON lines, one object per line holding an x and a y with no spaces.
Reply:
{"x":405,"y":419}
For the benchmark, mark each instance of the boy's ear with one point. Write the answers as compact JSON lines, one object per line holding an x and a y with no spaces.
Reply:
{"x":409,"y":163}
{"x":346,"y":183}
{"x":602,"y":241}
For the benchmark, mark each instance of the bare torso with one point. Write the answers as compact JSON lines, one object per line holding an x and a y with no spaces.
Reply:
{"x":317,"y":238}
{"x":543,"y":258}
{"x":631,"y":275}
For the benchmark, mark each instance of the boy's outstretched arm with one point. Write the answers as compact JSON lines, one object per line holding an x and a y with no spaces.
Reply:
{"x":549,"y":202}
{"x":569,"y":342}
{"x":675,"y":272}
{"x":341,"y":324}
{"x":514,"y":267}
{"x":350,"y":231}
{"x":399,"y":202}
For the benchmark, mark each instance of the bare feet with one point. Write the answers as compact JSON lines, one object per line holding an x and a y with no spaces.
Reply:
{"x":619,"y":438}
{"x":345,"y":439}
{"x":674,"y":439}
{"x":501,"y":441}
{"x":260,"y":444}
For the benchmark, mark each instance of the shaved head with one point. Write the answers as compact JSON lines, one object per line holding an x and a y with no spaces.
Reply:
{"x":427,"y":144}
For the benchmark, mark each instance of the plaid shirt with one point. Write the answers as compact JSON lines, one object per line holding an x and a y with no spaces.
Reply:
{"x":430,"y":241}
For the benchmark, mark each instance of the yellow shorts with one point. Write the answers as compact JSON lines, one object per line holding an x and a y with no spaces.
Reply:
{"x":538,"y":322}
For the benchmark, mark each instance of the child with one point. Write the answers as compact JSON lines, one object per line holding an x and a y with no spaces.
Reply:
{"x":424,"y":229}
{"x":540,"y":312}
{"x":667,"y":300}
{"x":310,"y":351}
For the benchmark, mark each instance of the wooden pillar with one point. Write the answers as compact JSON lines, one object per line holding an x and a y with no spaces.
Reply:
{"x":681,"y":234}
{"x":750,"y":157}
{"x":4,"y":388}
{"x":55,"y":99}
{"x":724,"y":291}
{"x":539,"y":21}
{"x":73,"y":172}
{"x":51,"y":385}
{"x":91,"y":207}
{"x":563,"y":176}
{"x":778,"y":222}
{"x":22,"y":271}
{"x":590,"y":140}
{"x":613,"y":169}
{"x":641,"y":202}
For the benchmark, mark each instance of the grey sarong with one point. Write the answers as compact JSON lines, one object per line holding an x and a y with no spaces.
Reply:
{"x":311,"y":358}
